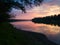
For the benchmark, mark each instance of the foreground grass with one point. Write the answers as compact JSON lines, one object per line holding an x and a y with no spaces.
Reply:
{"x":12,"y":36}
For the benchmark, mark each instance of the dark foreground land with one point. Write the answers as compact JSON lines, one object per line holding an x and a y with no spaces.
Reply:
{"x":9,"y":35}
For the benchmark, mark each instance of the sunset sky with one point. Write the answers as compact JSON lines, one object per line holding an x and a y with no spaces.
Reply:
{"x":47,"y":8}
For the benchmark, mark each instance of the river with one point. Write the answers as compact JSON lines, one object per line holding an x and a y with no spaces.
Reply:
{"x":51,"y":31}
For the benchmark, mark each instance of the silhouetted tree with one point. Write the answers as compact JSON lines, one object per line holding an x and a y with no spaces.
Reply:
{"x":53,"y":19}
{"x":6,"y":5}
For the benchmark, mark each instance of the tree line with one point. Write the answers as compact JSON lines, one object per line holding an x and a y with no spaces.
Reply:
{"x":54,"y":19}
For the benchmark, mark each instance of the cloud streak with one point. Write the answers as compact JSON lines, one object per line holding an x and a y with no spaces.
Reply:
{"x":48,"y":8}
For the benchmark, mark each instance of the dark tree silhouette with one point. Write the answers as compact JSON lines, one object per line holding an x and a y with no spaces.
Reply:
{"x":54,"y":19}
{"x":6,"y":5}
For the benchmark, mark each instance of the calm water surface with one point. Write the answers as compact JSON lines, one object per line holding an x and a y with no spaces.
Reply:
{"x":51,"y":31}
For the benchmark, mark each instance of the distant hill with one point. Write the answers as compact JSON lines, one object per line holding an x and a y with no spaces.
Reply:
{"x":15,"y":20}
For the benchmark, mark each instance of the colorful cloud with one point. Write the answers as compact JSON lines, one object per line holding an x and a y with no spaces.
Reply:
{"x":49,"y":7}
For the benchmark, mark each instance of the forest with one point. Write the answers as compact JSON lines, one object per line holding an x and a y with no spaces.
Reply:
{"x":54,"y":19}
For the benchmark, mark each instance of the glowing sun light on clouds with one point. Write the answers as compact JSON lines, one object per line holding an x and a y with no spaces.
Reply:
{"x":49,"y":7}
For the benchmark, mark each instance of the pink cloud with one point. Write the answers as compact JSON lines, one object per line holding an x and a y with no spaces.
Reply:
{"x":46,"y":9}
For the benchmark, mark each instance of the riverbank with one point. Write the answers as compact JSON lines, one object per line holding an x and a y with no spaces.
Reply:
{"x":9,"y":35}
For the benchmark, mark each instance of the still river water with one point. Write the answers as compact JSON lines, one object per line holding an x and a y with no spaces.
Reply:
{"x":51,"y":31}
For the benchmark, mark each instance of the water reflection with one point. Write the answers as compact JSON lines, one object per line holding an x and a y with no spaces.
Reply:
{"x":51,"y":31}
